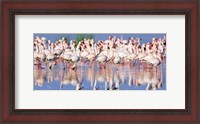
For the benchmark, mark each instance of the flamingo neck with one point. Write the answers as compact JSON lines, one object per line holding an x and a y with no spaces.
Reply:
{"x":37,"y":50}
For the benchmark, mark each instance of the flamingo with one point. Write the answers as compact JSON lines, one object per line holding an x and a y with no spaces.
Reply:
{"x":110,"y":54}
{"x":40,"y":57}
{"x":50,"y":57}
{"x":57,"y":52}
{"x":111,"y":50}
{"x":117,"y":59}
{"x":156,"y":60}
{"x":131,"y":57}
{"x":102,"y":60}
{"x":91,"y":57}
{"x":73,"y":60}
{"x":84,"y":54}
{"x":123,"y":54}
{"x":66,"y":56}
{"x":142,"y":54}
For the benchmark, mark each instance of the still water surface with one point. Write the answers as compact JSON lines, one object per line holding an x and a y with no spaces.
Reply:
{"x":139,"y":76}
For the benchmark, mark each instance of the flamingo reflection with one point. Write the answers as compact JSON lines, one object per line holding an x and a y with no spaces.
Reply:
{"x":113,"y":77}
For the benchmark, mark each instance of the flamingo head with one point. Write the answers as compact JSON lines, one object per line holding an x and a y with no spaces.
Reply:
{"x":110,"y":37}
{"x":63,"y":38}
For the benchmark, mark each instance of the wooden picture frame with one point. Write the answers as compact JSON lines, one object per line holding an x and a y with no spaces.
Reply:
{"x":11,"y":8}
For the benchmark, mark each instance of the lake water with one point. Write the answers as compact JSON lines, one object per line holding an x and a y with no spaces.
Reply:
{"x":87,"y":76}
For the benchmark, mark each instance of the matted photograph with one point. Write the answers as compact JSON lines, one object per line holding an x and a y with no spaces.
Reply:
{"x":99,"y":61}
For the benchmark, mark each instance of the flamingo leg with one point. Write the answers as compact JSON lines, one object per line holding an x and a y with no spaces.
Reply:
{"x":123,"y":61}
{"x":130,"y":63}
{"x":139,"y":65}
{"x":39,"y":65}
{"x":100,"y":65}
{"x":104,"y":64}
{"x":91,"y":63}
{"x":68,"y":66}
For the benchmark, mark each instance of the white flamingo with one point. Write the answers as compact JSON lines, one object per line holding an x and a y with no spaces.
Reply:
{"x":117,"y":59}
{"x":84,"y":54}
{"x":156,"y":60}
{"x":123,"y":54}
{"x":142,"y":54}
{"x":91,"y":57}
{"x":102,"y":60}
{"x":57,"y":52}
{"x":73,"y":60}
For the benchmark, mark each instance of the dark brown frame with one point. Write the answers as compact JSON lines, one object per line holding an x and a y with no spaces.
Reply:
{"x":86,"y":7}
